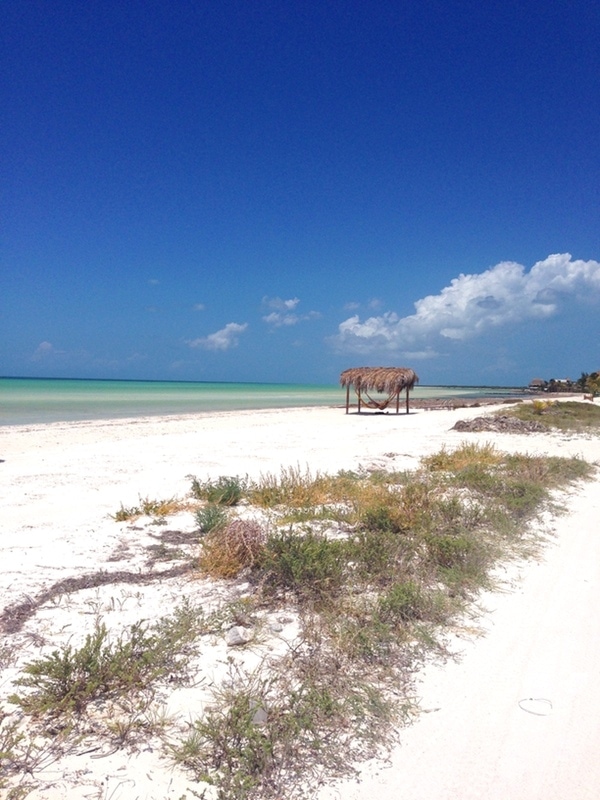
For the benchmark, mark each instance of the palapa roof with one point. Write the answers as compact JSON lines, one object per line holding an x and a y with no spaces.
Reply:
{"x":381,"y":379}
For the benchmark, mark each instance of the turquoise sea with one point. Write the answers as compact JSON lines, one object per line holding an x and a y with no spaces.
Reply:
{"x":41,"y":400}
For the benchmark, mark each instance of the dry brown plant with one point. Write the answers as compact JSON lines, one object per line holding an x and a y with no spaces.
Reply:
{"x":227,"y":551}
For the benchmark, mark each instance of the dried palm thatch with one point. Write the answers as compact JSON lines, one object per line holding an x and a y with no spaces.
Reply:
{"x":384,"y":380}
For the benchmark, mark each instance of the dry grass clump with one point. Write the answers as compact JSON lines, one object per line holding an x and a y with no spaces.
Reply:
{"x":463,"y":457}
{"x":229,"y":549}
{"x":293,"y":487}
{"x":150,"y":507}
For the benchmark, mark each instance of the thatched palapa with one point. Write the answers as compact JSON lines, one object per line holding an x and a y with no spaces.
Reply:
{"x":384,"y":380}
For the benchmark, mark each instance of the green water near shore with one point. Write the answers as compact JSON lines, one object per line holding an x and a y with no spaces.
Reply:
{"x":43,"y":400}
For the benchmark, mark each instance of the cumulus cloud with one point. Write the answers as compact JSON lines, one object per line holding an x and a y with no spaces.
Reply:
{"x":282,"y":312}
{"x":472,"y":304}
{"x":279,"y":304}
{"x":44,"y":350}
{"x":223,"y":339}
{"x":278,"y":320}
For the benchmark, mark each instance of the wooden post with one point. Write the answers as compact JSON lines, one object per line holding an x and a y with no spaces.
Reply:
{"x":359,"y":399}
{"x":347,"y":397}
{"x":407,"y":399}
{"x":398,"y":403}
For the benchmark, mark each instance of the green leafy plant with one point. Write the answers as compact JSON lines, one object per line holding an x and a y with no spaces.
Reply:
{"x":402,"y":602}
{"x":592,"y":384}
{"x":307,"y":564}
{"x":70,"y":678}
{"x":225,"y":491}
{"x":211,"y":517}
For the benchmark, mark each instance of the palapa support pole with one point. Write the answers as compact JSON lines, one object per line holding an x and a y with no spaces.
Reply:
{"x":398,"y":403}
{"x":407,"y":400}
{"x":347,"y":397}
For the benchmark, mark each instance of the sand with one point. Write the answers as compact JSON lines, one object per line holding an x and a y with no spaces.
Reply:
{"x":513,"y":716}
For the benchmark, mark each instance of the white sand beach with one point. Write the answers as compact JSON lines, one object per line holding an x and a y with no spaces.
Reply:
{"x":515,"y":715}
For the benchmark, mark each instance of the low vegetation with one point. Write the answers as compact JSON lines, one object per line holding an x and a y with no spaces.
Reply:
{"x":69,"y":679}
{"x":150,"y":507}
{"x":225,"y":491}
{"x":232,"y":547}
{"x":374,"y":565}
{"x":564,"y":416}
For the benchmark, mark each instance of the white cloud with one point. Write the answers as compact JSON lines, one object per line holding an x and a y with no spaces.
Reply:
{"x":223,"y":339}
{"x":277,"y":320}
{"x":283,"y":312}
{"x":198,"y":306}
{"x":472,"y":304}
{"x":278,"y":304}
{"x":44,"y":350}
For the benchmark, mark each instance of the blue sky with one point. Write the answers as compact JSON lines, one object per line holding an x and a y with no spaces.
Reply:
{"x":278,"y":191}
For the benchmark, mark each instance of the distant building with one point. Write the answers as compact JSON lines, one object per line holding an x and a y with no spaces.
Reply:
{"x":537,"y":385}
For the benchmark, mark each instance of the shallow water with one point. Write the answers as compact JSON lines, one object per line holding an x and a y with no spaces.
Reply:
{"x":42,"y":400}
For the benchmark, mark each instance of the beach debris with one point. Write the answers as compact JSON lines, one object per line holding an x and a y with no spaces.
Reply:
{"x":503,"y":423}
{"x":238,"y":635}
{"x":260,"y":716}
{"x":540,"y":706}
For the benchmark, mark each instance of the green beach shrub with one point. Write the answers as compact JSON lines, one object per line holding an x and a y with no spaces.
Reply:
{"x":307,"y":564}
{"x":402,"y":602}
{"x":227,"y":490}
{"x":380,"y":556}
{"x":68,"y":679}
{"x":210,"y":517}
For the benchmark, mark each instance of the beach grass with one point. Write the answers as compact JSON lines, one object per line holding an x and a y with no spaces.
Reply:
{"x":375,"y":565}
{"x":561,"y":415}
{"x":371,"y":591}
{"x":150,"y":507}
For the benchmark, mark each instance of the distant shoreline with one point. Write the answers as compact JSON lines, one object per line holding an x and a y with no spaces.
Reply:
{"x":470,"y":402}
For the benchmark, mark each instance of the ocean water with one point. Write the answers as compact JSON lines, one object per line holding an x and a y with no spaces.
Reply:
{"x":42,"y":400}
